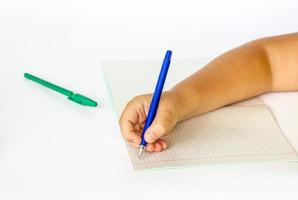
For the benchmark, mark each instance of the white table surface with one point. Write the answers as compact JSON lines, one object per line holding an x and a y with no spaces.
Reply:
{"x":51,"y":148}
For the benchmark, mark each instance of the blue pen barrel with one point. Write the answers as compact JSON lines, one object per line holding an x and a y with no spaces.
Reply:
{"x":157,"y":94}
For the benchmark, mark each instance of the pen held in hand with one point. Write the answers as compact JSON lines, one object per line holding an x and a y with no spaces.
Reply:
{"x":155,"y":99}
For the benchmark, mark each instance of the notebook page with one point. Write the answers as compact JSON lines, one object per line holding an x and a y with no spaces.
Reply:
{"x":243,"y":132}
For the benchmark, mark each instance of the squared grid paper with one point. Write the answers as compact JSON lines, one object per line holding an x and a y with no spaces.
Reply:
{"x":242,"y":132}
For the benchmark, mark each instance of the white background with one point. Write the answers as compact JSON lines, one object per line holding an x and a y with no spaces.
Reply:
{"x":52,"y":149}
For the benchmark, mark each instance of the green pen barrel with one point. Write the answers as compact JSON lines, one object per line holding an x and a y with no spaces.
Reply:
{"x":48,"y":84}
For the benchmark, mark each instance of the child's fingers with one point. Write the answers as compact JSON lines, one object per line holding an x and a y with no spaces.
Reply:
{"x":163,"y":144}
{"x":160,"y":145}
{"x":161,"y":125}
{"x":132,"y":122}
{"x":128,"y":131}
{"x":149,"y":147}
{"x":157,"y":146}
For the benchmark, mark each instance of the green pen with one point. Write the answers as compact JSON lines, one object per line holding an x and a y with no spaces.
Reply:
{"x":78,"y":98}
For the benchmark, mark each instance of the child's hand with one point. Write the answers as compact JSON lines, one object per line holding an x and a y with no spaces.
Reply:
{"x":133,"y":119}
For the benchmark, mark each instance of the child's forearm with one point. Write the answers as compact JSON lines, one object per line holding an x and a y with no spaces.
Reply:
{"x":241,"y":73}
{"x":269,"y":64}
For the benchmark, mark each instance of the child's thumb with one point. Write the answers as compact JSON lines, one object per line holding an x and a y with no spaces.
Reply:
{"x":161,"y":125}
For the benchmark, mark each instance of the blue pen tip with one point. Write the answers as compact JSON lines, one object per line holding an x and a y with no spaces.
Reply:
{"x":168,"y":55}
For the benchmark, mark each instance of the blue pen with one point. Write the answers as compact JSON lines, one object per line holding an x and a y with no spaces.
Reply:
{"x":155,"y":99}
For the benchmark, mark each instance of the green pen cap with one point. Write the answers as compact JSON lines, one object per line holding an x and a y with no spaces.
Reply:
{"x":80,"y":99}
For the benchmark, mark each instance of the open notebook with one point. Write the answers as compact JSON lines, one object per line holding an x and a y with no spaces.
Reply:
{"x":242,"y":132}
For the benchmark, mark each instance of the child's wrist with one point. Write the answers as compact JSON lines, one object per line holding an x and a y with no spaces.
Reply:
{"x":188,"y":103}
{"x":177,"y":104}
